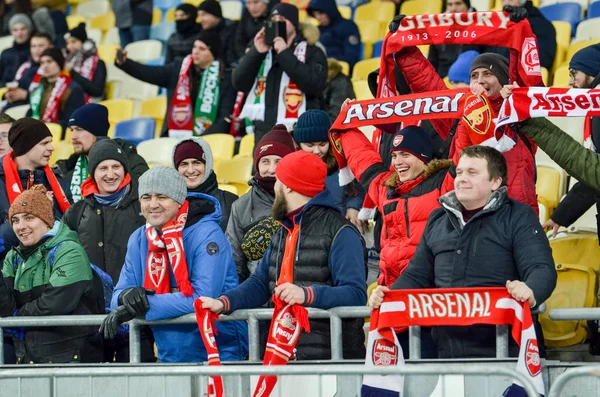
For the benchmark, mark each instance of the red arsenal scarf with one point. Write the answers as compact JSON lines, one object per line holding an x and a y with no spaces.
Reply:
{"x":447,"y":307}
{"x":52,"y":110}
{"x":206,"y":324}
{"x":22,"y":69}
{"x":88,"y":70}
{"x":166,"y":253}
{"x":14,"y":187}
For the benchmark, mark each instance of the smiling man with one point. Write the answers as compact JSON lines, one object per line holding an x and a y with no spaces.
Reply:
{"x":27,"y":165}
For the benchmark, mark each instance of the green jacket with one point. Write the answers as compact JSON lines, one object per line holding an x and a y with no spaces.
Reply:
{"x":54,"y":279}
{"x":577,"y":161}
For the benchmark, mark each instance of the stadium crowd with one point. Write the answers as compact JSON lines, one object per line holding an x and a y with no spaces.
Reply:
{"x":446,"y":211}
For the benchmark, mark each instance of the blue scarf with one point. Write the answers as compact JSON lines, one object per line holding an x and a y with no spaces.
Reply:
{"x":113,"y":199}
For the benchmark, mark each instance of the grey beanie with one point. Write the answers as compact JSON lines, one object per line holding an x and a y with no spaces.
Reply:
{"x":163,"y":180}
{"x":106,"y":149}
{"x":21,"y":18}
{"x":495,"y":63}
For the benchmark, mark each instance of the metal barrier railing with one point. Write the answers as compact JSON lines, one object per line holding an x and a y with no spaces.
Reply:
{"x":559,"y":383}
{"x":252,"y":316}
{"x":237,"y":370}
{"x":575,"y":314}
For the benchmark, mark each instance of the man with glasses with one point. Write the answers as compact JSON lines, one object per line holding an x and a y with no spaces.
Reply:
{"x":5,"y":124}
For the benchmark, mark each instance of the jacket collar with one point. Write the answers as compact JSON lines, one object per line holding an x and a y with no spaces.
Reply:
{"x":454,"y":208}
{"x":323,"y":199}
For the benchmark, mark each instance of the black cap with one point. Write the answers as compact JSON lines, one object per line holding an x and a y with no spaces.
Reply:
{"x":56,"y":54}
{"x":212,"y":7}
{"x":286,"y":10}
{"x":25,"y":133}
{"x":77,"y":32}
{"x":212,"y":41}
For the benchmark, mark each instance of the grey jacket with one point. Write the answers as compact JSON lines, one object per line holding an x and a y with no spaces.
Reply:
{"x":249,"y":209}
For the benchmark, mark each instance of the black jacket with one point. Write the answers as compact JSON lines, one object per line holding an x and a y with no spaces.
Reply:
{"x":104,"y":231}
{"x":168,"y":75}
{"x":338,"y":88}
{"x":180,"y":44}
{"x":95,"y":87}
{"x":310,"y":77}
{"x":211,"y":187}
{"x":504,"y":241}
{"x":248,"y":28}
{"x":10,"y":60}
{"x":226,"y":30}
{"x":72,"y":100}
{"x":137,"y":164}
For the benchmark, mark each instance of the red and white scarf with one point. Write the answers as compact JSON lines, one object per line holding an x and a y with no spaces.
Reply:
{"x":22,"y":69}
{"x":53,"y":106}
{"x":206,"y":324}
{"x":166,"y":253}
{"x":532,"y":102}
{"x":446,"y":307}
{"x":88,"y":70}
{"x":14,"y":187}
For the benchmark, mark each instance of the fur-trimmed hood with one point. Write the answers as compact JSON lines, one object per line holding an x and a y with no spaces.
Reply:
{"x":334,"y":68}
{"x":310,"y":32}
{"x":433,"y":167}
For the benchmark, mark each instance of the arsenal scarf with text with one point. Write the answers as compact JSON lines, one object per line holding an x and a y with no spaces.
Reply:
{"x":52,"y":110}
{"x":291,"y":101}
{"x":206,"y":324}
{"x":166,"y":253}
{"x":80,"y":174}
{"x":447,"y":307}
{"x":186,"y":119}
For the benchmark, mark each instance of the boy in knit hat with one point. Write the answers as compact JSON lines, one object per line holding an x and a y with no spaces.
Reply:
{"x":329,"y":268}
{"x":27,"y":165}
{"x":21,"y":28}
{"x":250,"y":225}
{"x":57,"y":95}
{"x":183,"y":231}
{"x":54,"y":278}
{"x":89,"y":124}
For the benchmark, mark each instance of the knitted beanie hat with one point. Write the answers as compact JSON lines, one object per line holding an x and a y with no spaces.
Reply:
{"x":188,"y":150}
{"x":165,"y":181}
{"x":587,"y":60}
{"x":78,"y":32}
{"x":56,"y":54}
{"x":25,"y":133}
{"x":495,"y":63}
{"x":414,"y":140}
{"x":35,"y":202}
{"x":92,"y":117}
{"x":106,"y":149}
{"x":302,"y":172}
{"x":312,"y":126}
{"x":211,"y":7}
{"x":22,"y":19}
{"x":276,"y":142}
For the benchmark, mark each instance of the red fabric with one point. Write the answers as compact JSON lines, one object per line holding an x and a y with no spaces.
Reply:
{"x":302,"y":172}
{"x":206,"y":325}
{"x":14,"y":187}
{"x":277,"y":142}
{"x":165,"y":253}
{"x":53,"y":105}
{"x":181,"y":112}
{"x":89,"y":186}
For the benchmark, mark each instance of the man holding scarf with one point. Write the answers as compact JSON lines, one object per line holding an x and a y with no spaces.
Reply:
{"x":179,"y":255}
{"x":25,"y":166}
{"x":281,"y":80}
{"x":199,"y":89}
{"x":89,"y":124}
{"x":316,"y":259}
{"x":58,"y":95}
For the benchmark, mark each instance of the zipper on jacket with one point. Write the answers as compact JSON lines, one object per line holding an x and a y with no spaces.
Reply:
{"x":406,"y":218}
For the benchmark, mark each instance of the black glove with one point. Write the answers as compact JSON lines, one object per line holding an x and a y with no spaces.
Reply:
{"x":393,"y":26}
{"x":135,"y":300}
{"x":111,"y":323}
{"x":517,"y":14}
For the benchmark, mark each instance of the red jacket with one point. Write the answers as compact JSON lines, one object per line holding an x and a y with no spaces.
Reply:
{"x":405,"y":207}
{"x":422,"y":77}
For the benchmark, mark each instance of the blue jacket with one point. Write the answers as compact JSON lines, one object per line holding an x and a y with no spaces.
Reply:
{"x":332,"y":183}
{"x":211,"y":274}
{"x":341,"y":37}
{"x":346,"y":265}
{"x":39,"y":178}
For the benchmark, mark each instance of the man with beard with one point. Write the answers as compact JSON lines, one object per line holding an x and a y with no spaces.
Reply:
{"x":316,"y":248}
{"x":88,"y":124}
{"x":181,"y":42}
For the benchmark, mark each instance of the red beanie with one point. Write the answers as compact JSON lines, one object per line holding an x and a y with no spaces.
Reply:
{"x":277,"y":142}
{"x":188,"y":150}
{"x":302,"y":172}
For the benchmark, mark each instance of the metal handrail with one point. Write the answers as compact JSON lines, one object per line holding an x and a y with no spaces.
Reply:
{"x":559,"y":383}
{"x":575,"y":314}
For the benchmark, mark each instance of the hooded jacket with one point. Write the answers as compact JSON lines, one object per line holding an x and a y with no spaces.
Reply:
{"x":167,"y":76}
{"x":246,"y":212}
{"x":330,"y":265}
{"x":211,"y":272}
{"x":405,"y":207}
{"x":248,"y":28}
{"x":209,"y":184}
{"x":180,"y":44}
{"x":341,"y":37}
{"x":339,"y":87}
{"x":504,"y":241}
{"x":421,"y":77}
{"x":34,"y":284}
{"x":310,"y":77}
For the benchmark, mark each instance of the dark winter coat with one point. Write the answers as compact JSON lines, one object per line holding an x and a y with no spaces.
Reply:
{"x":248,"y":28}
{"x":72,"y":100}
{"x":330,"y":265}
{"x":180,"y":45}
{"x":24,"y":83}
{"x":167,"y":76}
{"x":338,"y":88}
{"x":310,"y":77}
{"x":10,"y":60}
{"x":95,"y":87}
{"x":504,"y":241}
{"x":341,"y":37}
{"x":104,"y":231}
{"x":132,"y":12}
{"x":226,"y":30}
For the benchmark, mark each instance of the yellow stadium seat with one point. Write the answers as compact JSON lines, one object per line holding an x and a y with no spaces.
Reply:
{"x":563,"y":41}
{"x":375,"y":11}
{"x":246,"y":146}
{"x":370,"y":32}
{"x":424,"y":49}
{"x":109,"y":89}
{"x":228,"y":188}
{"x":302,"y":15}
{"x":3,"y":91}
{"x":155,"y":108}
{"x":578,"y":46}
{"x":156,"y":16}
{"x":232,"y":10}
{"x":362,"y":90}
{"x":580,"y":248}
{"x":363,"y":68}
{"x":74,"y":20}
{"x":419,"y":7}
{"x":545,"y":76}
{"x":345,"y":11}
{"x":561,"y":76}
{"x":170,"y":15}
{"x":158,"y":151}
{"x":62,"y":150}
{"x":108,"y":52}
{"x":547,"y":187}
{"x":68,"y":134}
{"x":575,"y":288}
{"x":57,"y":132}
{"x":222,"y":145}
{"x":118,"y":110}
{"x":236,"y":172}
{"x":17,"y":112}
{"x":345,"y":67}
{"x":103,"y":22}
